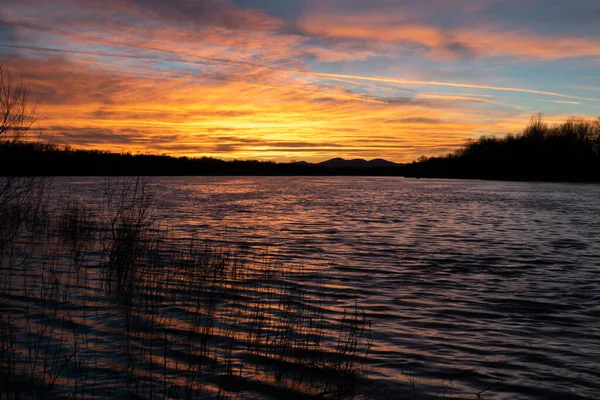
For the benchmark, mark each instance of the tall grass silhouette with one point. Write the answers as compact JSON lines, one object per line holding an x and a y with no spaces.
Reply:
{"x":107,"y":303}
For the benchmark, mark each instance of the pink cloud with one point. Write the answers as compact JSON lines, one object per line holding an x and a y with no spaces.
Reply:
{"x":448,"y":43}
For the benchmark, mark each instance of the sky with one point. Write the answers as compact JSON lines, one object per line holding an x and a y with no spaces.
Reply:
{"x":305,"y":80}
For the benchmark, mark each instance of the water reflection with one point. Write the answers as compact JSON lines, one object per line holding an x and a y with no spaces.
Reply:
{"x":464,"y":281}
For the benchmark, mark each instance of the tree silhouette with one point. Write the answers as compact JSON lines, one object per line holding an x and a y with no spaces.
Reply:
{"x":566,"y":152}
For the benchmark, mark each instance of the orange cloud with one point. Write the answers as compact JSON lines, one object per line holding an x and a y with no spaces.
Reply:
{"x":92,"y":108}
{"x":282,"y":116}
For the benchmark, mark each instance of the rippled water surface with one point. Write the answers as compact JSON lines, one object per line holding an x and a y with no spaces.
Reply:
{"x":471,"y":286}
{"x":468,"y":281}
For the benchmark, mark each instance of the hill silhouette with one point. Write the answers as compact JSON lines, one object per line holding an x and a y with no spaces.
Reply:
{"x":357,"y":163}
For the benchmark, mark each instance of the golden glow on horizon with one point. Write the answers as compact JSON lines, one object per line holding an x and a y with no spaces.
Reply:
{"x":128,"y":77}
{"x":278,"y":122}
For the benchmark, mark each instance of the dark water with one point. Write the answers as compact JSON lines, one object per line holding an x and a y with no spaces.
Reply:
{"x":470,"y":285}
{"x":464,"y":280}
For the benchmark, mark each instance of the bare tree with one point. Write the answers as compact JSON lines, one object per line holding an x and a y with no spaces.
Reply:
{"x":16,"y":115}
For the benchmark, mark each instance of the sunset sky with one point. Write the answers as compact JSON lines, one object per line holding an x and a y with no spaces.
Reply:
{"x":300,"y":79}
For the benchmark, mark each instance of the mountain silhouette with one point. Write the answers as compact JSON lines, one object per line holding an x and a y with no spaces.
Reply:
{"x":357,"y":163}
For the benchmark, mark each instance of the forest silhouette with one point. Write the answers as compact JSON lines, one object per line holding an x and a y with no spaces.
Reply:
{"x":566,"y":152}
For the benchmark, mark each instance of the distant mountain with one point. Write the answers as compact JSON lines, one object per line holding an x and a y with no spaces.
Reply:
{"x":357,"y":163}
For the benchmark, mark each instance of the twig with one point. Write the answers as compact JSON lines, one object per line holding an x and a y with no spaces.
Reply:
{"x":490,"y":387}
{"x":67,"y":361}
